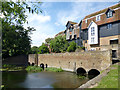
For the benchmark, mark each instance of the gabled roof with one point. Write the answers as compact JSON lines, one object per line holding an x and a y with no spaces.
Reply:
{"x":91,"y":23}
{"x":109,"y":10}
{"x":71,"y":23}
{"x":102,"y":11}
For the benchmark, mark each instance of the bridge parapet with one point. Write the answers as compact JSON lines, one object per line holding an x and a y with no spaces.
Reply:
{"x":99,"y":60}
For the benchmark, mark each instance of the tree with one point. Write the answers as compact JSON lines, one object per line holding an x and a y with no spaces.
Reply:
{"x":48,"y":40}
{"x":59,"y":44}
{"x":72,"y":47}
{"x":15,"y":38}
{"x":34,"y":50}
{"x":43,"y":49}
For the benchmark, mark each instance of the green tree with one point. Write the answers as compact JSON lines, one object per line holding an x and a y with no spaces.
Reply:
{"x":59,"y":44}
{"x":34,"y":50}
{"x":48,"y":40}
{"x":43,"y":49}
{"x":72,"y":47}
{"x":15,"y":38}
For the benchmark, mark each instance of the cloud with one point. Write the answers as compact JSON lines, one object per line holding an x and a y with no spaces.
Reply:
{"x":78,"y":11}
{"x":38,"y":18}
{"x":44,"y":29}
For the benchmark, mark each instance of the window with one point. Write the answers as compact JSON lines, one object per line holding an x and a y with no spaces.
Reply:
{"x":114,"y":41}
{"x":71,"y":29}
{"x":98,"y":18}
{"x":109,"y":26}
{"x":109,"y":14}
{"x":92,"y":31}
{"x":70,"y":37}
{"x":92,"y":40}
{"x":85,"y":20}
{"x":74,"y":36}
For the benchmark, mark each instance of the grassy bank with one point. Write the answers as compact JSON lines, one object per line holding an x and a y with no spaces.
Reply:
{"x":38,"y":69}
{"x":11,"y":68}
{"x":34,"y":69}
{"x":53,"y":69}
{"x":111,"y":80}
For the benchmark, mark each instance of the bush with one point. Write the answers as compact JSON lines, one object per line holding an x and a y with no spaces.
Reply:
{"x":53,"y":69}
{"x":79,"y":49}
{"x":43,"y":49}
{"x":34,"y":69}
{"x":72,"y":47}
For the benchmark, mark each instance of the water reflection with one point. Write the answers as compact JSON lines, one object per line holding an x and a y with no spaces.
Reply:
{"x":42,"y":80}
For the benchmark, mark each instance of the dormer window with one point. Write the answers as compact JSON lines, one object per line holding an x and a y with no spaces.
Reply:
{"x":109,"y":14}
{"x":98,"y":18}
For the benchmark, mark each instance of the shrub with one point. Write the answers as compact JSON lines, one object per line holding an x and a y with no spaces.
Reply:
{"x":53,"y":69}
{"x":34,"y":69}
{"x":72,"y":47}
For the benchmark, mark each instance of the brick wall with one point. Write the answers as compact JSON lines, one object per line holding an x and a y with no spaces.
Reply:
{"x":99,"y":60}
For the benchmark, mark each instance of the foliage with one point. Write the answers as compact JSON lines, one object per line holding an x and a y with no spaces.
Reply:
{"x":34,"y":50}
{"x":43,"y":49}
{"x":48,"y":40}
{"x":15,"y":38}
{"x":72,"y":47}
{"x":53,"y":69}
{"x":79,"y":49}
{"x":34,"y":69}
{"x":59,"y":44}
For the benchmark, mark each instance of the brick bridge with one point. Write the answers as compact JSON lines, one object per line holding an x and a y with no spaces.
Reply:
{"x":80,"y":62}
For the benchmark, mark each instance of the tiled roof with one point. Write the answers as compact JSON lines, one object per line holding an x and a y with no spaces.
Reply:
{"x":102,"y":11}
{"x":104,"y":19}
{"x":71,"y":23}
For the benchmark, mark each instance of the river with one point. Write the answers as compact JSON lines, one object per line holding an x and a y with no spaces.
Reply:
{"x":53,"y":80}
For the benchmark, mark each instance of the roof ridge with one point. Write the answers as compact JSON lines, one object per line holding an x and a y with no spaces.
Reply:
{"x":102,"y":11}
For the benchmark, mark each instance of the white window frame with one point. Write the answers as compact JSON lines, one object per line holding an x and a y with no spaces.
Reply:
{"x":85,"y":20}
{"x":92,"y":31}
{"x":98,"y":17}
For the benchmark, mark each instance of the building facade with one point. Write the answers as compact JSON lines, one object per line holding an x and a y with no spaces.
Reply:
{"x":73,"y":32}
{"x":98,"y":31}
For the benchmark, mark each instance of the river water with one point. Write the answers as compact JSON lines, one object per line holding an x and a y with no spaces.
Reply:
{"x":52,"y":80}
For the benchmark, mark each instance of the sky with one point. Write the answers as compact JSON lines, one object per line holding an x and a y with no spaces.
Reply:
{"x":56,"y":15}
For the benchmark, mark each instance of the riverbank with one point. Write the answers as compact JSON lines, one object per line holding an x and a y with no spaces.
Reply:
{"x":111,"y":79}
{"x":107,"y":79}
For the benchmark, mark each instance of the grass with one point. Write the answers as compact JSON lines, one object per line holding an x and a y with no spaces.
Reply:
{"x":111,"y":80}
{"x":34,"y":69}
{"x":81,"y":77}
{"x":53,"y":69}
{"x":7,"y":67}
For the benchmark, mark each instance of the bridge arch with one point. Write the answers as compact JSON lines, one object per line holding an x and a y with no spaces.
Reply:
{"x":42,"y":66}
{"x":81,"y":71}
{"x":93,"y":73}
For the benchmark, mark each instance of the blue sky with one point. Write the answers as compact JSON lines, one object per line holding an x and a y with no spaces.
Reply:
{"x":55,"y":16}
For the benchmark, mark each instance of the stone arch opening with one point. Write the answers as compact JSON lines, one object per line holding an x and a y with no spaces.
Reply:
{"x":33,"y":64}
{"x":81,"y":71}
{"x":46,"y":65}
{"x":28,"y":63}
{"x":93,"y":73}
{"x":42,"y":66}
